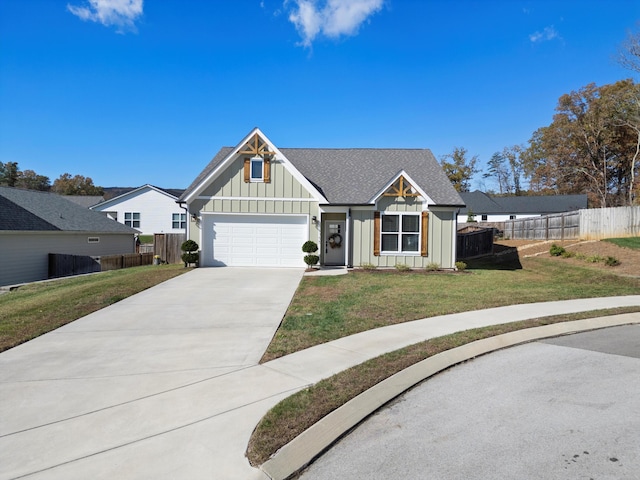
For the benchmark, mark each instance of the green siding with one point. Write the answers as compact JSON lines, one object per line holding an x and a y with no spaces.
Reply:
{"x":231,"y":183}
{"x":441,"y":236}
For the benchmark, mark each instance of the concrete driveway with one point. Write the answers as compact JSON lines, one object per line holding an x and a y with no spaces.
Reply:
{"x":144,"y":388}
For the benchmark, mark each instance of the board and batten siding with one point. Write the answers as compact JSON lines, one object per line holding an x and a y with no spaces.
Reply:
{"x":231,"y":183}
{"x":440,"y":240}
{"x":25,"y":256}
{"x":229,"y":193}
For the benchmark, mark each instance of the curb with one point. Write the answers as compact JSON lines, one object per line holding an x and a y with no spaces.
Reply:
{"x":311,"y":443}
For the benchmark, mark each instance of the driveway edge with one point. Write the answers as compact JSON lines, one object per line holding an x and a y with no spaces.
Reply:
{"x":311,"y":443}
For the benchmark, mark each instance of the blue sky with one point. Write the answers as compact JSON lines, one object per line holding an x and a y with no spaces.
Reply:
{"x":129,"y":92}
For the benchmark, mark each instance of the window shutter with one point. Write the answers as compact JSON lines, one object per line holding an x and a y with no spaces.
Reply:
{"x":425,"y":234}
{"x":247,"y":170}
{"x":376,"y":234}
{"x":267,"y":171}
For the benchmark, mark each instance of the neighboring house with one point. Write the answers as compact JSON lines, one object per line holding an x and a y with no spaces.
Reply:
{"x":149,"y":209}
{"x":255,"y":205}
{"x":34,"y":224}
{"x":489,"y":208}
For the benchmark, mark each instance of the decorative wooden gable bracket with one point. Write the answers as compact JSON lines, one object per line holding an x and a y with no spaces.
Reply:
{"x":401,"y":188}
{"x":257,"y":147}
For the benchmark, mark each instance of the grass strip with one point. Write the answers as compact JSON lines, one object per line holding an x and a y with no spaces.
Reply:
{"x":38,"y":308}
{"x":295,"y":414}
{"x":327,"y":308}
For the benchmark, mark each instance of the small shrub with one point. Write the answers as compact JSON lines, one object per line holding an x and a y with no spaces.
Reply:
{"x":595,"y":259}
{"x":368,"y":266}
{"x":567,"y":254}
{"x":310,"y":247}
{"x":432,"y":267}
{"x":461,"y":266}
{"x":189,"y":246}
{"x":402,"y":267}
{"x":612,"y":262}
{"x":581,"y":256}
{"x":190,"y":255}
{"x":311,"y":260}
{"x":556,"y":250}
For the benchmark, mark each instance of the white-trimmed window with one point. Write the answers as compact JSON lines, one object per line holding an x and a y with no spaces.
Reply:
{"x":179,"y":220}
{"x":93,"y":239}
{"x":132,"y":219}
{"x":257,"y":169}
{"x":400,"y":233}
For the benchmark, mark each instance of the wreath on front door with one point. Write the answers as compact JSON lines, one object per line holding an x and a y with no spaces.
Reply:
{"x":335,"y":240}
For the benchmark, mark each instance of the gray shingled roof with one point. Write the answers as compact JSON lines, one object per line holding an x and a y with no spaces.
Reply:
{"x":353,"y":176}
{"x":30,"y":210}
{"x":481,"y":203}
{"x":84,"y":200}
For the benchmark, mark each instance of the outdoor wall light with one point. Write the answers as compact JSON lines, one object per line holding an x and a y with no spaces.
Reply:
{"x":314,"y":220}
{"x":194,"y":217}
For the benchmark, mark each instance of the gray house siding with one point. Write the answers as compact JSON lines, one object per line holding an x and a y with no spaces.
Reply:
{"x":25,"y":255}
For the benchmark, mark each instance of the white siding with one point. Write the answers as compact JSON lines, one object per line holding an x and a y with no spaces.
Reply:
{"x":24,"y":256}
{"x":155,"y":210}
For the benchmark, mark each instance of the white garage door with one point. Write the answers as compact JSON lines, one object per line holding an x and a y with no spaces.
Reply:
{"x":254,"y":240}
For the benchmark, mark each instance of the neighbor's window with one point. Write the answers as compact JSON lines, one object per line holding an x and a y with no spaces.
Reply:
{"x":512,"y":217}
{"x":179,"y":220}
{"x":484,"y":218}
{"x":132,"y":219}
{"x":400,"y":233}
{"x":257,"y":169}
{"x":93,"y":239}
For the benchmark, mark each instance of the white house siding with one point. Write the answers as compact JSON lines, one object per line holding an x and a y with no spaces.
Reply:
{"x":495,"y":218}
{"x":156,"y":210}
{"x":24,"y":256}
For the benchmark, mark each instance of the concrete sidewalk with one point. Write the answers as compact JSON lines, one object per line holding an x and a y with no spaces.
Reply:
{"x":166,"y":384}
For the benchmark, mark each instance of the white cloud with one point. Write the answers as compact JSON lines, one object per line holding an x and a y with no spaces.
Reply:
{"x":549,"y":33}
{"x":119,"y":13}
{"x":331,"y":18}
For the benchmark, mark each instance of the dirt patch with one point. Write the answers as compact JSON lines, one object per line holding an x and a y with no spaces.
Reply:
{"x":628,"y":257}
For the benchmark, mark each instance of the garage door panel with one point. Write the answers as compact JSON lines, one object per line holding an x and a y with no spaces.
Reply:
{"x":254,"y":240}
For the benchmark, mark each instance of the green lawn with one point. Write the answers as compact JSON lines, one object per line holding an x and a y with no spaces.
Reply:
{"x":38,"y":308}
{"x":629,"y":242}
{"x":326,"y":308}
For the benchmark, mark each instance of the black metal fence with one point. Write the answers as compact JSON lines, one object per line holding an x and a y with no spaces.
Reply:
{"x":475,"y":243}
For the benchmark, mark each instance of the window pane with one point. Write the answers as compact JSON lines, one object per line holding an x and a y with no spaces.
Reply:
{"x":390,"y":223}
{"x":410,"y":242}
{"x":411,"y":223}
{"x":389,"y":243}
{"x":127,"y":216}
{"x":136,"y":216}
{"x":256,"y":169}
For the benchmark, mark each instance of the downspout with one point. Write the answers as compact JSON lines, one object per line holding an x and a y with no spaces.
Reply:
{"x":348,"y":236}
{"x":186,"y":214}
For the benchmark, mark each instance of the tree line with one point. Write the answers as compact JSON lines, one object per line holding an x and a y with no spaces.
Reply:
{"x":65,"y":184}
{"x":592,"y":146}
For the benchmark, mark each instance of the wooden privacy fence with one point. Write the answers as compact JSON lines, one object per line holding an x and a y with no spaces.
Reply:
{"x":64,"y":265}
{"x":167,"y":245}
{"x":559,"y":226}
{"x":585,"y":224}
{"x":475,"y":243}
{"x":127,"y":260}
